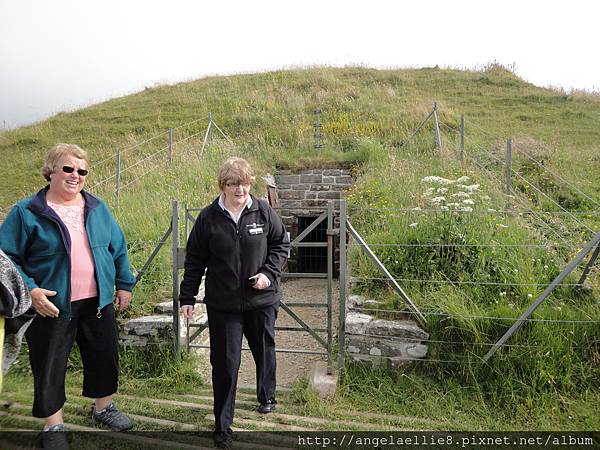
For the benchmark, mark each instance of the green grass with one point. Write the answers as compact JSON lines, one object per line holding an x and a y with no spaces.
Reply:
{"x":367,"y":117}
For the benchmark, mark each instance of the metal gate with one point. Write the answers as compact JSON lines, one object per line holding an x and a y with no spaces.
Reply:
{"x":193,"y":330}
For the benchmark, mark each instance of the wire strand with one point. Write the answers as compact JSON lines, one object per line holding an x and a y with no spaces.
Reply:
{"x":469,"y":316}
{"x":471,"y":283}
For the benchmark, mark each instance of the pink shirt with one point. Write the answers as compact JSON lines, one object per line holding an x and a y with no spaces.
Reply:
{"x":83,"y":283}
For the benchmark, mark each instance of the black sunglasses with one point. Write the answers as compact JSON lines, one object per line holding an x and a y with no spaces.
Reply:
{"x":69,"y":169}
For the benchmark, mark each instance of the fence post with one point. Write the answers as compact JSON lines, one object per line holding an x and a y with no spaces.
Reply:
{"x":175,"y":252}
{"x":462,"y":138}
{"x":118,"y":176}
{"x":207,"y":134}
{"x":317,"y":127}
{"x":509,"y":166}
{"x":170,"y":147}
{"x":438,"y":137}
{"x":330,"y":244}
{"x":342,"y":281}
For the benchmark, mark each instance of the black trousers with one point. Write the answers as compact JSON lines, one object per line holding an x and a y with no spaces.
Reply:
{"x":226,"y":330}
{"x":50,"y":342}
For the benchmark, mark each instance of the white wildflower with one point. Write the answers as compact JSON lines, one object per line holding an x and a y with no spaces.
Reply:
{"x":485,"y":198}
{"x":444,"y":208}
{"x":437,"y":200}
{"x":435,"y":179}
{"x":441,"y":190}
{"x":466,"y":209}
{"x":462,"y":195}
{"x":491,"y":210}
{"x":471,"y":187}
{"x":463,"y":179}
{"x":529,"y":295}
{"x":468,"y":201}
{"x":428,"y":192}
{"x":515,"y":270}
{"x":453,"y":205}
{"x":545,"y":267}
{"x":413,"y":225}
{"x":417,"y":208}
{"x":503,"y":294}
{"x":501,"y":225}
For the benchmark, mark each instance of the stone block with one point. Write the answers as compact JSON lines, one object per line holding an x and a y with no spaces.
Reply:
{"x":368,"y":345}
{"x":291,"y":195}
{"x":343,"y":180}
{"x":354,"y":300}
{"x":320,"y":187}
{"x":290,"y":204}
{"x":324,"y":383}
{"x":359,"y":303}
{"x":339,"y":187}
{"x":314,"y":203}
{"x":287,"y":179}
{"x":329,"y":195}
{"x":357,"y":323}
{"x":329,"y":180}
{"x":396,"y":328}
{"x":306,"y":178}
{"x":167,"y":307}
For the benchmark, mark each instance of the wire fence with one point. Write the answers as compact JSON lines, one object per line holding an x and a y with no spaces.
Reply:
{"x":562,"y":229}
{"x":557,"y":223}
{"x":111,"y":168}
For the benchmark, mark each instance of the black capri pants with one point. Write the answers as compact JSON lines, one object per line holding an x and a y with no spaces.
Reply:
{"x":50,"y":341}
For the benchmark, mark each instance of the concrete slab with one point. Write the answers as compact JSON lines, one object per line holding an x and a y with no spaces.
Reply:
{"x":322,"y":382}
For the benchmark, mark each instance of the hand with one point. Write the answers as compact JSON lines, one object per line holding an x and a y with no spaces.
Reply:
{"x":41,"y":304}
{"x":122,"y":300}
{"x":262,"y":282}
{"x":187,"y":311}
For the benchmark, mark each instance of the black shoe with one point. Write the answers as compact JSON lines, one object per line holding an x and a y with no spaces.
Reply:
{"x":112,"y":418}
{"x":267,"y":407}
{"x":223,"y":439}
{"x":55,"y":438}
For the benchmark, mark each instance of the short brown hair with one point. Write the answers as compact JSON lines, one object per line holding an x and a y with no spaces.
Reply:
{"x":235,"y":170}
{"x":58,"y":151}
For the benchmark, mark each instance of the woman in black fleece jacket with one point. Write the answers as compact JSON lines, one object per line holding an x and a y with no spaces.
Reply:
{"x":242,"y":244}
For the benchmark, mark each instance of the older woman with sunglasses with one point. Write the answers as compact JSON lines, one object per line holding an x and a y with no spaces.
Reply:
{"x":72,"y":255}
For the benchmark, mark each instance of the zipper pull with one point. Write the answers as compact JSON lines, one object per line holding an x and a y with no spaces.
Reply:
{"x":98,"y":314}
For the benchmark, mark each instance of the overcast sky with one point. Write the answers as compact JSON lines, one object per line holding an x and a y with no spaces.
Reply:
{"x":60,"y":55}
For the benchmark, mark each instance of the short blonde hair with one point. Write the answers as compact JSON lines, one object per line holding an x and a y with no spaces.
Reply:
{"x":235,"y":170}
{"x":57,"y":152}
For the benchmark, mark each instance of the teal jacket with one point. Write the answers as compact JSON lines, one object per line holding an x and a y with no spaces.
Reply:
{"x":39,"y":244}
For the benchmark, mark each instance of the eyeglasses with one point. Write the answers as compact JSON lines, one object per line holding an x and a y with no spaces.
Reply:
{"x":80,"y":172}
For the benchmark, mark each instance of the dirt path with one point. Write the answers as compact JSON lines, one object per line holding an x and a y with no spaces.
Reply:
{"x":290,"y":366}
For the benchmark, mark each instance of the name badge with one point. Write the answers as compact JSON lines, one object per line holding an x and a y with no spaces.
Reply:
{"x":257,"y":230}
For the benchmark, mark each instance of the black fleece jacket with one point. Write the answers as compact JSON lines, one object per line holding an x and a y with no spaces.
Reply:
{"x":231,"y":253}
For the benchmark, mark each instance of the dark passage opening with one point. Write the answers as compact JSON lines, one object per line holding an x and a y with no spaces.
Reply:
{"x":312,"y":260}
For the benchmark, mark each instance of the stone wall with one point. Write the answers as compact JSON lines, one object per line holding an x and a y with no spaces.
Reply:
{"x":306,"y":193}
{"x":149,"y":331}
{"x":385,"y":343}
